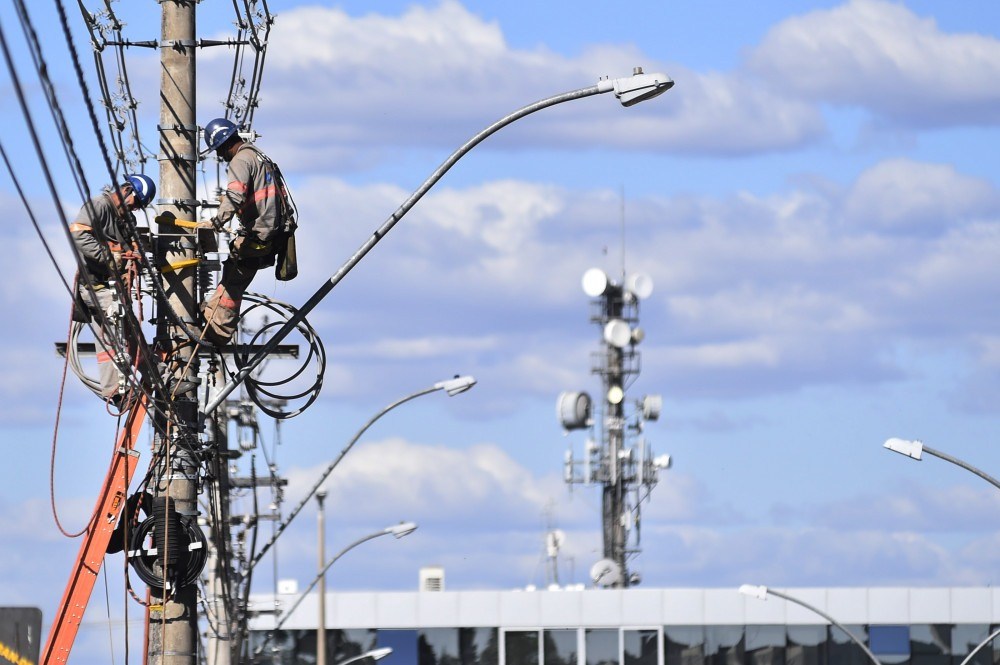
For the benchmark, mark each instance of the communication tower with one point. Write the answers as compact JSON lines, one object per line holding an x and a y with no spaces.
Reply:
{"x":616,"y":454}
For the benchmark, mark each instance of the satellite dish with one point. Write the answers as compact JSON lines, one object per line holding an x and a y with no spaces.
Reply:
{"x":617,"y":333}
{"x":554,"y":541}
{"x":573,"y":410}
{"x":605,"y":573}
{"x":615,"y":395}
{"x":595,"y":282}
{"x":639,"y":284}
{"x":652,"y":405}
{"x":638,"y":334}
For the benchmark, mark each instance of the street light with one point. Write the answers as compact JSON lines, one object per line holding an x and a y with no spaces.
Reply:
{"x":321,"y":557}
{"x":915,"y":450}
{"x":452,"y":387}
{"x":761,"y":593}
{"x":629,"y":90}
{"x":374,"y":654}
{"x":396,"y":531}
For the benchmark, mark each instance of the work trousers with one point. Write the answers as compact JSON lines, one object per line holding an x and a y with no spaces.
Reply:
{"x":107,"y":329}
{"x":222,"y":309}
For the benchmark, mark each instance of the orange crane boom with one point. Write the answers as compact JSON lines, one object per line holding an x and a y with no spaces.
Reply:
{"x":109,"y":506}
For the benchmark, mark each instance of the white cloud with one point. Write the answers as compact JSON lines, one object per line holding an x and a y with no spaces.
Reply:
{"x":880,"y":55}
{"x":918,"y":197}
{"x":433,"y":76}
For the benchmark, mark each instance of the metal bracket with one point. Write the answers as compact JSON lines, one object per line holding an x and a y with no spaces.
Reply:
{"x":179,"y":157}
{"x":180,"y":203}
{"x":181,"y":43}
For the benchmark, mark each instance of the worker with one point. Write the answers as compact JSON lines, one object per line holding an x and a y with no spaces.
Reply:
{"x":101,"y":233}
{"x":256,"y":193}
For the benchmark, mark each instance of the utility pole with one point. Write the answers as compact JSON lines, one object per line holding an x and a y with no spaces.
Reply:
{"x":220,"y":639}
{"x":321,"y":550}
{"x":173,"y":617}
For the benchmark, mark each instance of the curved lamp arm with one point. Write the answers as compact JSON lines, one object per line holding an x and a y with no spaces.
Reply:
{"x":629,"y":90}
{"x":452,"y":387}
{"x":980,"y":646}
{"x":915,"y":450}
{"x":762,"y":592}
{"x":399,"y":530}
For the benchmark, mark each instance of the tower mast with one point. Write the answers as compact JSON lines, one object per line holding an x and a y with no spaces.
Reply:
{"x":619,"y":459}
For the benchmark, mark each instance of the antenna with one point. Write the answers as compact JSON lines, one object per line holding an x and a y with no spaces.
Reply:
{"x":616,"y":453}
{"x":622,"y":205}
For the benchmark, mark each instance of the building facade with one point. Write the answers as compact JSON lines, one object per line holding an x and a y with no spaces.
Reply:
{"x":900,"y":626}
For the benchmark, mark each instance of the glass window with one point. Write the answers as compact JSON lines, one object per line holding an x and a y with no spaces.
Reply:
{"x":930,"y":644}
{"x":347,"y":643}
{"x":437,"y":646}
{"x":842,"y":650}
{"x":286,"y":647}
{"x":684,"y":645}
{"x":640,"y":647}
{"x":403,"y":644}
{"x":964,"y":638}
{"x":478,"y":646}
{"x":724,"y":645}
{"x":601,"y":646}
{"x":805,"y":645}
{"x":520,"y":647}
{"x":560,"y":647}
{"x":890,"y":643}
{"x":765,"y":645}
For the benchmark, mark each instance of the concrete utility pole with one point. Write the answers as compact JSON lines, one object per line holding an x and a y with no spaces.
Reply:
{"x":321,"y":550}
{"x":219,"y":640}
{"x":173,"y":618}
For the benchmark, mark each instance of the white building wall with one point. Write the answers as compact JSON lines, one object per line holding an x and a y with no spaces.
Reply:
{"x":596,"y":608}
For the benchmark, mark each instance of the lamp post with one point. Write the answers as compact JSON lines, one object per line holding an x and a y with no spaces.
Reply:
{"x":321,"y":552}
{"x":629,"y":90}
{"x":374,"y":654}
{"x":915,"y":450}
{"x":397,"y":531}
{"x":761,"y":592}
{"x":451,"y":387}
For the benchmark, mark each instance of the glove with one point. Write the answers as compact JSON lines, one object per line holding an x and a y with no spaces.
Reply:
{"x":210,"y":224}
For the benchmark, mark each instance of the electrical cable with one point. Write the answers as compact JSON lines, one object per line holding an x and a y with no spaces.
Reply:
{"x":41,"y":70}
{"x":46,"y":84}
{"x":255,"y":386}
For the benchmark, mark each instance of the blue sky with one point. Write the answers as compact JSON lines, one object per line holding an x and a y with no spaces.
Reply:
{"x":816,"y":200}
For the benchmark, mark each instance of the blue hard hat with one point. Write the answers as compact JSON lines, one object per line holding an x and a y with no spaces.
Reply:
{"x":143,"y":186}
{"x":219,"y":131}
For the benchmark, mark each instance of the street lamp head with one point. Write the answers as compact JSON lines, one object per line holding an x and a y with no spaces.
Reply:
{"x":456,"y":386}
{"x":913,"y":449}
{"x":374,"y":654}
{"x":637,"y":88}
{"x":379,"y":654}
{"x":753,"y":590}
{"x":401,"y":529}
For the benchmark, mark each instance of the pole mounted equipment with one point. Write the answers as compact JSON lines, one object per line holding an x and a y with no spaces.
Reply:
{"x":617,"y":455}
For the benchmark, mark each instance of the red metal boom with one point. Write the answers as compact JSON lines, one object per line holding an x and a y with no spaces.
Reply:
{"x":95,"y":544}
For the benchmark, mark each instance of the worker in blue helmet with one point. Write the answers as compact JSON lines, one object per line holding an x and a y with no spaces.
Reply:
{"x":102,"y":234}
{"x":257,"y":195}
